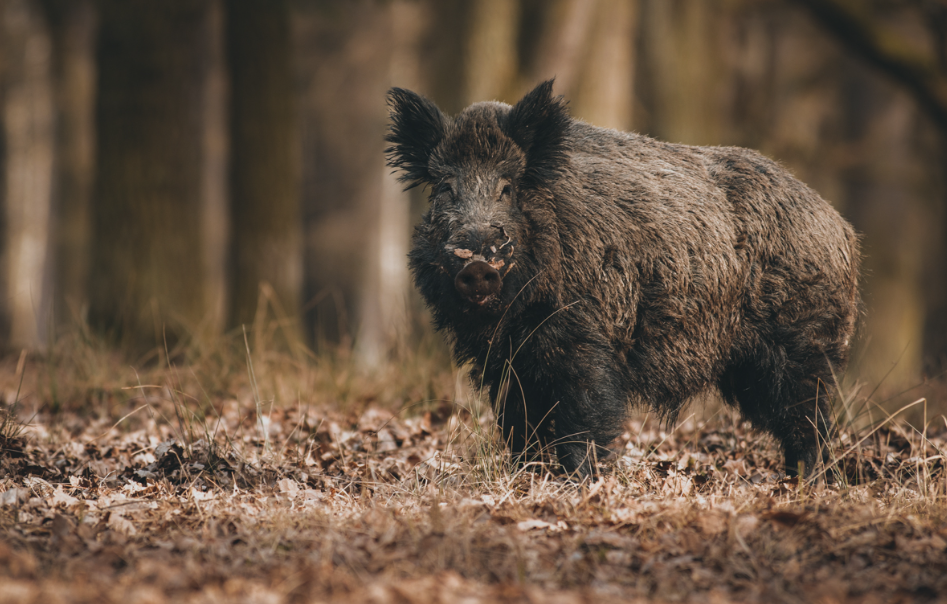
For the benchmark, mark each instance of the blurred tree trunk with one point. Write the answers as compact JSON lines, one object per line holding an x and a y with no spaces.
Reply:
{"x":442,"y":54}
{"x":606,"y":92}
{"x":882,"y":192}
{"x":265,"y":170}
{"x":383,"y":308}
{"x":490,"y":60}
{"x":72,"y":26}
{"x":146,"y":217}
{"x":215,"y":200}
{"x":28,"y":132}
{"x":5,"y":53}
{"x":589,"y":46}
{"x":564,"y":27}
{"x":344,"y":60}
{"x":681,"y":70}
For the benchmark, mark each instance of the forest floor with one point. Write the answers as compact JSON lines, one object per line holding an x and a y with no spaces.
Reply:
{"x":295,"y":479}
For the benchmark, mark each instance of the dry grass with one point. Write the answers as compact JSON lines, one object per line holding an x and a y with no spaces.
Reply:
{"x":305,"y":479}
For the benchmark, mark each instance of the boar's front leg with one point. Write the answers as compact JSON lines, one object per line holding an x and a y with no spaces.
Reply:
{"x":589,"y":415}
{"x":524,"y":421}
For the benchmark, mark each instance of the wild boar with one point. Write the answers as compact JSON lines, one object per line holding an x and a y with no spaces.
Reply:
{"x":584,"y":270}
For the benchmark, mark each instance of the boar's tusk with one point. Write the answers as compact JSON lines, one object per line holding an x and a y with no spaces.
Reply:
{"x":505,"y":234}
{"x":463,"y":253}
{"x":508,"y":269}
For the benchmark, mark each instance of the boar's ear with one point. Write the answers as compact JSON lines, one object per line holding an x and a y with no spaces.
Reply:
{"x":538,"y":124}
{"x":417,"y":126}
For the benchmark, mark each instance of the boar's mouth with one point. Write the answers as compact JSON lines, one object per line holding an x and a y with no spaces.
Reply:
{"x":479,"y":281}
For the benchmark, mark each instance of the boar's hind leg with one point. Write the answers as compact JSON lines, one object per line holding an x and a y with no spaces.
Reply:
{"x":587,"y":420}
{"x":523,"y":420}
{"x":788,"y":398}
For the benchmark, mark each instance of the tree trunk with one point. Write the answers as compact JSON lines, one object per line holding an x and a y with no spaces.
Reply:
{"x":72,"y":27}
{"x":28,"y":126}
{"x":490,"y":59}
{"x":344,"y":61}
{"x":383,"y":308}
{"x":5,"y":52}
{"x":265,"y":170}
{"x":566,"y":26}
{"x":606,"y":92}
{"x":215,"y":200}
{"x":682,"y":69}
{"x":146,"y":218}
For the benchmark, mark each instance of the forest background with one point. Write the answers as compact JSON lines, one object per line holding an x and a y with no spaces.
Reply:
{"x":219,"y":385}
{"x":171,"y":171}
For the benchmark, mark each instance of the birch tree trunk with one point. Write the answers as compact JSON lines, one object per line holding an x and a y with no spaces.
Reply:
{"x":28,"y":134}
{"x":344,"y":62}
{"x":72,"y":26}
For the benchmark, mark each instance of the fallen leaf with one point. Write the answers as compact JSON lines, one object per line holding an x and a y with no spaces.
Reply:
{"x":528,"y":525}
{"x":121,"y":524}
{"x":288,"y":486}
{"x":13,"y":496}
{"x":61,"y":498}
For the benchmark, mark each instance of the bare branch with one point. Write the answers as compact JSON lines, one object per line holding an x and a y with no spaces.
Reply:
{"x":849,"y":23}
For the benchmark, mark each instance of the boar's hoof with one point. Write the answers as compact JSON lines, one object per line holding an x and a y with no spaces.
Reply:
{"x":478,"y":282}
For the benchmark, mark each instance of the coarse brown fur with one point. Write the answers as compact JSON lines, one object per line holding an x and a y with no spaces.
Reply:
{"x":581,"y":269}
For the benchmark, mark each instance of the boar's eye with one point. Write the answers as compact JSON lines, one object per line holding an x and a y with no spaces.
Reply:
{"x":507,"y":191}
{"x":445,"y":189}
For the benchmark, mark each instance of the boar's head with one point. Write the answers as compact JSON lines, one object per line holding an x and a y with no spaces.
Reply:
{"x":489,"y":238}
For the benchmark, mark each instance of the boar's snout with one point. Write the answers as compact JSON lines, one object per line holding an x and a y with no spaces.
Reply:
{"x":478,"y":281}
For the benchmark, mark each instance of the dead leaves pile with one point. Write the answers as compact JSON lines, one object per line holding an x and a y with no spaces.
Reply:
{"x":304,"y":506}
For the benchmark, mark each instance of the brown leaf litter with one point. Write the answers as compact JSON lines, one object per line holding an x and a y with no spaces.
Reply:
{"x":374,"y":506}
